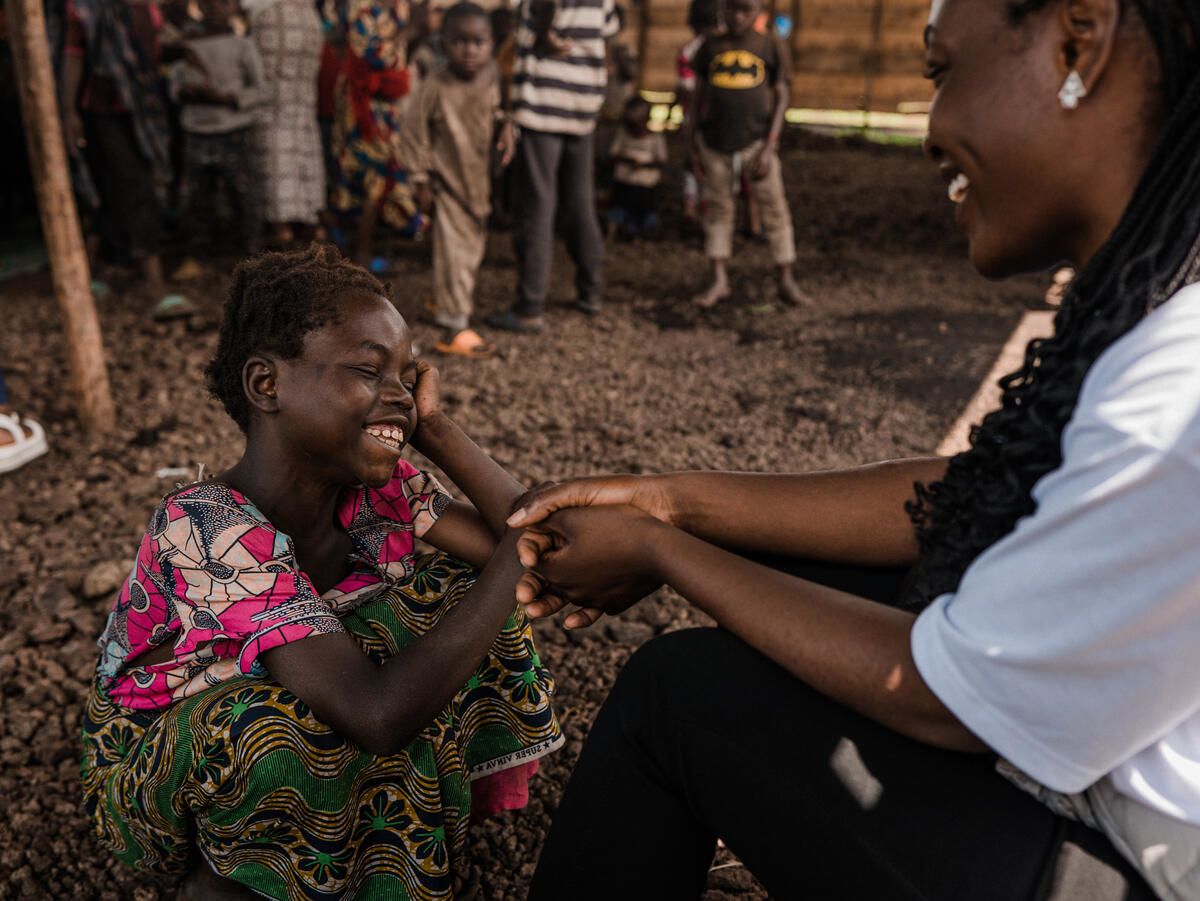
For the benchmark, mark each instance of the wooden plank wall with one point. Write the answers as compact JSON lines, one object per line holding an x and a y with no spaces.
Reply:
{"x":847,"y":54}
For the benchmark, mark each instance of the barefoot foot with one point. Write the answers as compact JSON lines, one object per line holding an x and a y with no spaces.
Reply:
{"x":713,"y":294}
{"x":789,"y":291}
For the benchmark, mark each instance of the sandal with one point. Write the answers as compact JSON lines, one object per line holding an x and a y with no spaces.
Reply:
{"x":189,"y":270}
{"x":28,"y":442}
{"x":173,"y":306}
{"x":466,"y":343}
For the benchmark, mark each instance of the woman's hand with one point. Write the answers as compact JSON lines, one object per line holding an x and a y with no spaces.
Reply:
{"x":602,"y":559}
{"x":647,"y":494}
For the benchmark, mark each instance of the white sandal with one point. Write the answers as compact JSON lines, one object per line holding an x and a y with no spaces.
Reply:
{"x":24,"y":447}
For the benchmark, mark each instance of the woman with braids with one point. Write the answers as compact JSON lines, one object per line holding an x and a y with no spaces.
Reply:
{"x":289,"y":701}
{"x":1020,"y":717}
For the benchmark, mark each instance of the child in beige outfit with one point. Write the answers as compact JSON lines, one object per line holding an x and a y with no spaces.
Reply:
{"x":447,"y":138}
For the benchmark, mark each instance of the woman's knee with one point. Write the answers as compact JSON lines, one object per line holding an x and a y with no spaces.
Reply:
{"x":674,"y":671}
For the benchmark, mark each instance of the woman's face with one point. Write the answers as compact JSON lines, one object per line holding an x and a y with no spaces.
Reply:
{"x":346,"y":404}
{"x":1013,"y":159}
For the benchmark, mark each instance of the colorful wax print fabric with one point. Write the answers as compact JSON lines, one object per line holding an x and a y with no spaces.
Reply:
{"x":274,"y":799}
{"x":373,"y":84}
{"x":216,"y":580}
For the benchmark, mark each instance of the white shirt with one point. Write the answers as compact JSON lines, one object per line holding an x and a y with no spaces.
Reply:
{"x":1072,"y":646}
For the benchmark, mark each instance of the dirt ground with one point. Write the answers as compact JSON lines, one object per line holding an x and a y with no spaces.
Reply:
{"x":899,"y":332}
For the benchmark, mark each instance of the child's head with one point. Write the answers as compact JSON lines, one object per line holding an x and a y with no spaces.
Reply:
{"x":636,"y":115}
{"x":434,"y":16}
{"x":704,"y":17}
{"x":314,"y":359}
{"x":218,"y":12}
{"x":467,"y":38}
{"x":740,"y":16}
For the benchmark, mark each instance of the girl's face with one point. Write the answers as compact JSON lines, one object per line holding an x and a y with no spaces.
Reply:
{"x":1026,"y":175}
{"x":346,"y":404}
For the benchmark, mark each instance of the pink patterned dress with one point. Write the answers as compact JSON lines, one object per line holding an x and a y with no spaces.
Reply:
{"x":218,"y":580}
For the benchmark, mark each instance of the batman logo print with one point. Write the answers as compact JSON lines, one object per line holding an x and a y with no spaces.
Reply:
{"x":736,"y":70}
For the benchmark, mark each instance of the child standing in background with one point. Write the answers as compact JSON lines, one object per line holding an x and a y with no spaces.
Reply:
{"x":737,"y":112}
{"x":638,"y":156}
{"x":219,"y":85}
{"x":447,"y":138}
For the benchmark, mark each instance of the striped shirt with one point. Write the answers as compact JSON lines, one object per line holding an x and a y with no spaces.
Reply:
{"x":564,"y":95}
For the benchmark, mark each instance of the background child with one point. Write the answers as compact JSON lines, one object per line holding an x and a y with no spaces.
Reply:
{"x":288,"y":697}
{"x":115,"y":128}
{"x":447,"y":138}
{"x":737,"y":116}
{"x":638,"y":156}
{"x":426,"y":53}
{"x":220,"y":85}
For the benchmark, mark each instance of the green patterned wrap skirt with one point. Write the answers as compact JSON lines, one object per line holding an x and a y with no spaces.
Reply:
{"x":274,"y":799}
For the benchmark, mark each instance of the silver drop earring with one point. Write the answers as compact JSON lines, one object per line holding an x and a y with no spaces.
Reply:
{"x":1072,"y":91}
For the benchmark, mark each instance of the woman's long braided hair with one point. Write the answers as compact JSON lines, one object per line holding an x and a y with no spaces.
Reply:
{"x":1152,"y":253}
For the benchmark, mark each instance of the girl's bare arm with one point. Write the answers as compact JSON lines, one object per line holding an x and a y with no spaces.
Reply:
{"x":382,"y":708}
{"x":485,"y":482}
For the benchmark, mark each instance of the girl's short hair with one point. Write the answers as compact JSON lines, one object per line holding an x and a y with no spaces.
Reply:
{"x":274,"y":301}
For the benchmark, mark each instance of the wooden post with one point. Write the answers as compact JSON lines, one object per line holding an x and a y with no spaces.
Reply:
{"x":60,"y":220}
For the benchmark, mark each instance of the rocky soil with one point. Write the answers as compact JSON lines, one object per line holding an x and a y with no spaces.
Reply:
{"x":897,"y":336}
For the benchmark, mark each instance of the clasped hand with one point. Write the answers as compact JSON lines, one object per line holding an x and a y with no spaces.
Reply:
{"x":599,"y":555}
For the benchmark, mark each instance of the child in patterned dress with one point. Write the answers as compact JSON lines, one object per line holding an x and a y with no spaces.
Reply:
{"x":220,"y":86}
{"x":289,"y":699}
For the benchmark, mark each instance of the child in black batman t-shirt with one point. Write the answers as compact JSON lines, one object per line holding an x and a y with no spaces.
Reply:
{"x":741,"y":94}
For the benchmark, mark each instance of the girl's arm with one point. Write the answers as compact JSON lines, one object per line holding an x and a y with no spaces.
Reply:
{"x":854,"y":650}
{"x":492,"y":490}
{"x":382,"y":708}
{"x":852,"y":515}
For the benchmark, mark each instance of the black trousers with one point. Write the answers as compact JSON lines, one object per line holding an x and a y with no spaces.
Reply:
{"x":130,"y":217}
{"x":555,"y":177}
{"x":213,"y":160}
{"x":703,"y":737}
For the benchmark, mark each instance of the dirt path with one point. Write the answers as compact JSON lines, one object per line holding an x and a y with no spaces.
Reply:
{"x":879,"y":366}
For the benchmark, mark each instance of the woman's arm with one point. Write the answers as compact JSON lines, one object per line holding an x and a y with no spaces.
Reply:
{"x":382,"y":708}
{"x":854,"y":650}
{"x":851,"y":649}
{"x":840,"y":516}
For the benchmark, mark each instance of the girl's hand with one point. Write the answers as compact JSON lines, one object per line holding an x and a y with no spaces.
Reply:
{"x":427,"y":394}
{"x":647,"y":494}
{"x":602,"y":559}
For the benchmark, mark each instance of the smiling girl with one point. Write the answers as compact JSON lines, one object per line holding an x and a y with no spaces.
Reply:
{"x":289,"y":699}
